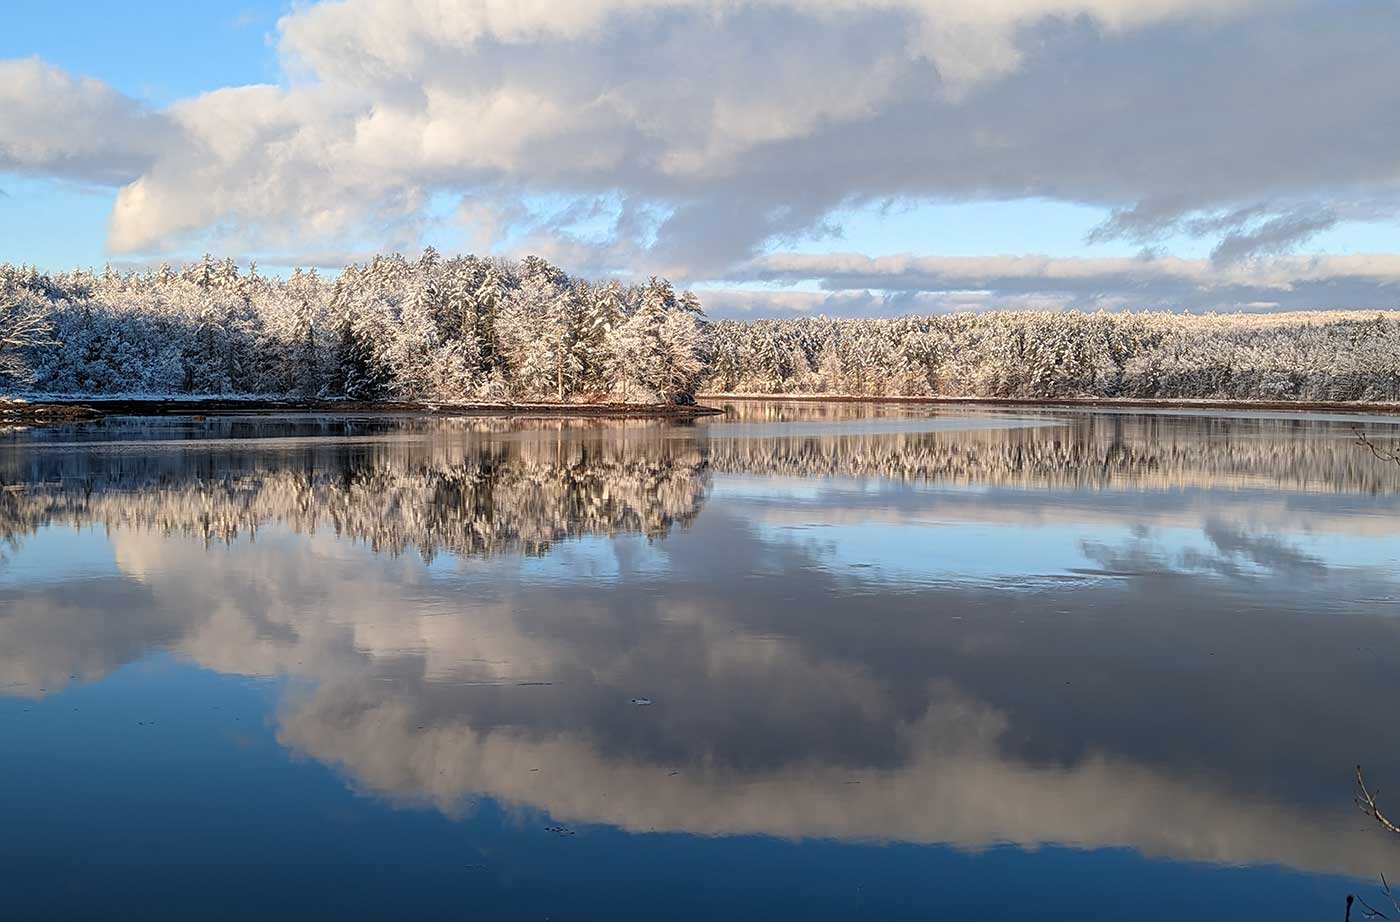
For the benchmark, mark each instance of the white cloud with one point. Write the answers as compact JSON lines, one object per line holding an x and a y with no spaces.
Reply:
{"x":738,"y":122}
{"x":935,"y":284}
{"x":54,"y":124}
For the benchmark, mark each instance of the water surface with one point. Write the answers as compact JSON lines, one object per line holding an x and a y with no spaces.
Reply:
{"x":822,"y":661}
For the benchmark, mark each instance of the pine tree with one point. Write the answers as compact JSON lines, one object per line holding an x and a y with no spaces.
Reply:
{"x":605,"y":310}
{"x":487,"y":303}
{"x":306,"y":363}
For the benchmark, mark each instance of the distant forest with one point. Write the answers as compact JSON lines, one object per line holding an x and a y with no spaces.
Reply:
{"x":471,"y":329}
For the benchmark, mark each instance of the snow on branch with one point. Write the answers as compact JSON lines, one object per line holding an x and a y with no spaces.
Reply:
{"x":473,"y":329}
{"x":427,"y":329}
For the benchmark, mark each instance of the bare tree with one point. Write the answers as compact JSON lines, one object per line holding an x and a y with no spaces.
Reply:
{"x":24,"y":322}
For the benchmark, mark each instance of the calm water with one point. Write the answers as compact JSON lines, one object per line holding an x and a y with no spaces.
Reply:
{"x":816,"y":661}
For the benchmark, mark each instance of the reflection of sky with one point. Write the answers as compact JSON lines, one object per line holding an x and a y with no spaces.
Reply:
{"x":800,"y":706}
{"x":789,"y":702}
{"x":587,"y":558}
{"x":775,"y":489}
{"x":911,"y":551}
{"x":902,"y":534}
{"x":56,"y":554}
{"x":899,"y":425}
{"x":179,"y":802}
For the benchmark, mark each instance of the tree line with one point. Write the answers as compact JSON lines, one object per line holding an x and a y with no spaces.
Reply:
{"x":473,"y":329}
{"x":427,"y":329}
{"x":1315,"y":355}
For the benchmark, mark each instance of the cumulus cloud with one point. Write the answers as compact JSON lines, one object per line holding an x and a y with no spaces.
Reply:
{"x":54,"y":124}
{"x":720,"y":127}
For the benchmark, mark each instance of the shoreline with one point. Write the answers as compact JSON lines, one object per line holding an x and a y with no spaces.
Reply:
{"x":66,"y":410}
{"x":56,"y":411}
{"x":1105,"y":403}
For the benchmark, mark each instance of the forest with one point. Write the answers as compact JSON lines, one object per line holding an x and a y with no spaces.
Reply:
{"x":469,"y":329}
{"x":463,"y":329}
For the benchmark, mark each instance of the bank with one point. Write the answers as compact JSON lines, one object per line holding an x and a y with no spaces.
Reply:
{"x":1100,"y":403}
{"x":63,"y":410}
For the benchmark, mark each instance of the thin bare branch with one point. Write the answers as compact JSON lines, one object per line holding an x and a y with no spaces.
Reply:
{"x":1384,"y":454}
{"x":1367,"y":911}
{"x":1366,"y":800}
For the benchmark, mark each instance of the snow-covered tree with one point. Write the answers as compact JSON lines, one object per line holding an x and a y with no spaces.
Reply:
{"x":468,"y":328}
{"x":24,"y":323}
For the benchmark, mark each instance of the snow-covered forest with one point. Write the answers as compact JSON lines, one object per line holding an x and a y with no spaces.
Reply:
{"x":1318,"y":355}
{"x":444,"y":329}
{"x":472,"y":329}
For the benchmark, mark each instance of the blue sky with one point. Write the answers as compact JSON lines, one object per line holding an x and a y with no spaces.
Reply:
{"x":156,"y":51}
{"x":1255,"y":149}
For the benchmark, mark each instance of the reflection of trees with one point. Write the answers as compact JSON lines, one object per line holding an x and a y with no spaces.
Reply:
{"x":950,"y":706}
{"x":486,"y":486}
{"x":1086,"y":451}
{"x":465,"y":496}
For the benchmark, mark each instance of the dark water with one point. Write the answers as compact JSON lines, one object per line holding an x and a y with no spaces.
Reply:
{"x":802,"y":661}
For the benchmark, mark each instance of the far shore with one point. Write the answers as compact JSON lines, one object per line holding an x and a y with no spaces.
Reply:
{"x":53,"y":410}
{"x":62,"y":410}
{"x":1107,"y":403}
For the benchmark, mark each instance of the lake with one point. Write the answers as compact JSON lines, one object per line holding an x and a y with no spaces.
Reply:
{"x":825,"y":661}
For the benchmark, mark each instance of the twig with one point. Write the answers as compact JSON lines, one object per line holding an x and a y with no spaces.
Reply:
{"x":1370,"y":912}
{"x":1367,"y":802}
{"x":1366,"y":911}
{"x":1390,"y":454}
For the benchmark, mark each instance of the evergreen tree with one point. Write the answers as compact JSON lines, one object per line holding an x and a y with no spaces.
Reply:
{"x":487,"y":303}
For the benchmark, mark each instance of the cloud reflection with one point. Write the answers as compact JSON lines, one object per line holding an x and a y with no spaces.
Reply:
{"x":1193,"y":707}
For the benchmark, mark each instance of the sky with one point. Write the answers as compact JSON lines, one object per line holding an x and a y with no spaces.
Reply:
{"x":848,"y":157}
